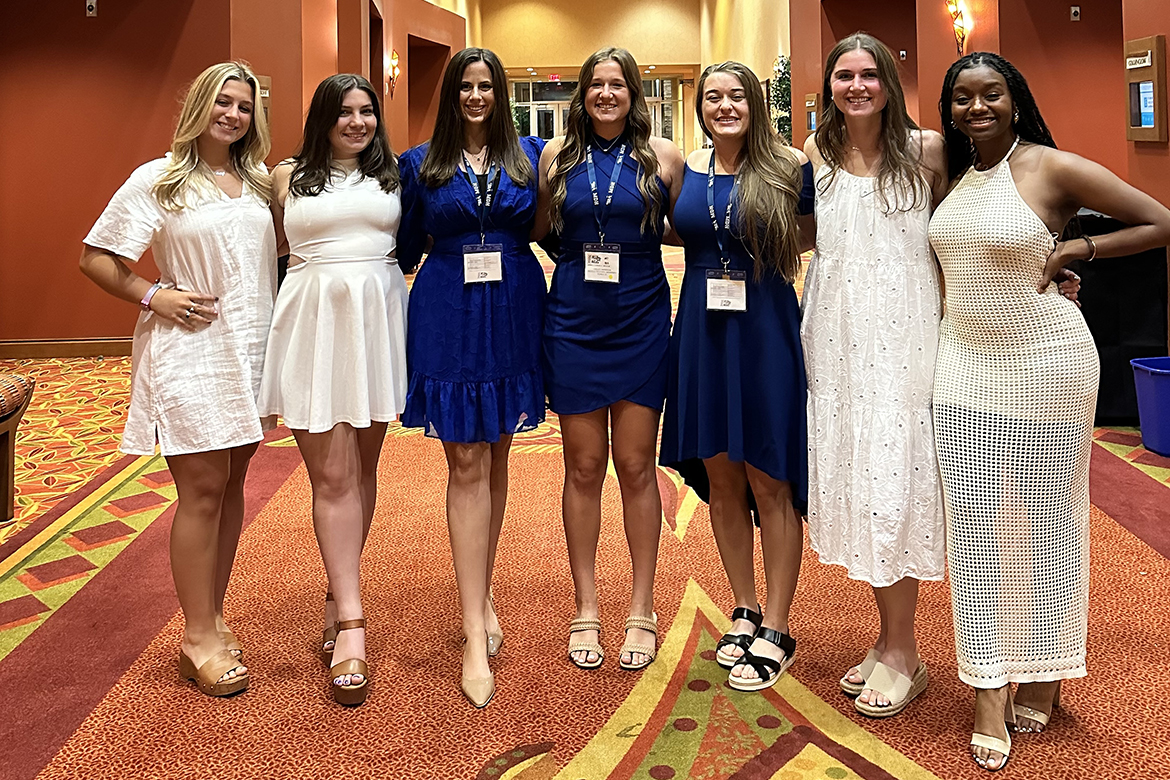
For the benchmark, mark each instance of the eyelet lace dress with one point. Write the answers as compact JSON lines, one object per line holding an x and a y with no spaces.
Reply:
{"x":870,"y":331}
{"x":1014,"y":393}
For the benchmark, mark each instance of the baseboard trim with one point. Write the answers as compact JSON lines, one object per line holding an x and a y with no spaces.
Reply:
{"x":53,"y":348}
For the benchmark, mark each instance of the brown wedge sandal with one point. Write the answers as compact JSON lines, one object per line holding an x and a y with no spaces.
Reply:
{"x":328,"y":635}
{"x":233,"y":645}
{"x":350,"y":695}
{"x":207,"y":677}
{"x":645,"y":624}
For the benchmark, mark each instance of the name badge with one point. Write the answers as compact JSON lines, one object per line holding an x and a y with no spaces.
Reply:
{"x":602,"y":262}
{"x":483,"y":263}
{"x":726,"y":291}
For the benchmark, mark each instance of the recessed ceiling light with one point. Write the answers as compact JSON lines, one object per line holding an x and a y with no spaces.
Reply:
{"x":651,"y":67}
{"x":530,"y":70}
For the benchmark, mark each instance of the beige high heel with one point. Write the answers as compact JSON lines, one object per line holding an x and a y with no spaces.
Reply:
{"x":495,"y":641}
{"x":353,"y":694}
{"x":1022,"y":711}
{"x":479,"y":690}
{"x":1003,"y":747}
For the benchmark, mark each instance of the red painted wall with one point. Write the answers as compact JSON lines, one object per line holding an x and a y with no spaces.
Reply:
{"x":268,"y":36}
{"x":83,"y":101}
{"x":1149,"y":163}
{"x":429,"y":24}
{"x":892,"y":22}
{"x":808,"y":29}
{"x":1054,"y":54}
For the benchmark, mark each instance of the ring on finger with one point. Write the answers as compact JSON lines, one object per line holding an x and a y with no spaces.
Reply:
{"x":188,"y":313}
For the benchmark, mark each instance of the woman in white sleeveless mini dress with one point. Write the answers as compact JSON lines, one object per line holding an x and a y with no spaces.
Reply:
{"x":872,"y":306}
{"x":1015,"y":391}
{"x":336,"y":363}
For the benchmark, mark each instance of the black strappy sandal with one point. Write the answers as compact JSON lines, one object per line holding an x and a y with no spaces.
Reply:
{"x":769,"y":671}
{"x":742,"y":641}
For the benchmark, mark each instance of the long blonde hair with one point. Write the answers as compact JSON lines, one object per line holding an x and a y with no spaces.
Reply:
{"x":183,"y":171}
{"x":580,"y":130}
{"x":769,"y":181}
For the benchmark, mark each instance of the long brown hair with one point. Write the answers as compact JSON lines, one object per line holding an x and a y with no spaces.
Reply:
{"x":442,"y":158}
{"x":314,"y":161}
{"x":900,"y":183}
{"x":580,"y":130}
{"x":768,"y":182}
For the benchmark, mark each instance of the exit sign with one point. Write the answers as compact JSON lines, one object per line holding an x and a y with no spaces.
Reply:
{"x":554,"y":77}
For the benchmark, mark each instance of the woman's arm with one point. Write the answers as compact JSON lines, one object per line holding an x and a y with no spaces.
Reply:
{"x":281,"y":176}
{"x":543,"y":193}
{"x":1084,"y":183}
{"x":670,"y":169}
{"x":189,"y":310}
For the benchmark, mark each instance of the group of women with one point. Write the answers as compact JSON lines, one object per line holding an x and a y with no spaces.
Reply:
{"x":917,"y":442}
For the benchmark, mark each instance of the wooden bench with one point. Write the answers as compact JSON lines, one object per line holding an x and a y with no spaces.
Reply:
{"x":15,"y":393}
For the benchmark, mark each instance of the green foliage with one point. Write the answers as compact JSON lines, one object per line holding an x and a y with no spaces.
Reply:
{"x":780,"y":97}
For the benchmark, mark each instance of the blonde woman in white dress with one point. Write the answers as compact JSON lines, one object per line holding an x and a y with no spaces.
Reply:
{"x":336,"y":365}
{"x":872,"y":307}
{"x":1015,"y":390}
{"x":199,"y":343}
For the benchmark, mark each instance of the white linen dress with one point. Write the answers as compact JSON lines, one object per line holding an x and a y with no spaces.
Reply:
{"x":870,"y":333}
{"x":337,"y":351}
{"x":1014,"y":395}
{"x":195,"y":391}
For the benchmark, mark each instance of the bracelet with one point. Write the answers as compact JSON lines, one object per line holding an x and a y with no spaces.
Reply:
{"x":145,"y":302}
{"x":1092,"y":248}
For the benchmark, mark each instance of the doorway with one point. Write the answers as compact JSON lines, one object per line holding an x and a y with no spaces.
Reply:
{"x":425,"y":61}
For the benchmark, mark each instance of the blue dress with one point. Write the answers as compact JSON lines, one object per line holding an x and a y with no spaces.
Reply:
{"x":472,"y":350}
{"x":736,"y":381}
{"x":607,"y":342}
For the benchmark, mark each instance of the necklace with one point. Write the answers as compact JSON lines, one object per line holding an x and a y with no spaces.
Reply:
{"x":600,"y":142}
{"x":218,"y":171}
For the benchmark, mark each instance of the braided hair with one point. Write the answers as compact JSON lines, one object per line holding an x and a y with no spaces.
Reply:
{"x":1027,"y":123}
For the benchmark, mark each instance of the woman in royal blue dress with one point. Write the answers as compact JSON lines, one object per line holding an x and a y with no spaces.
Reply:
{"x":605,"y":187}
{"x":474,"y":322}
{"x":735,"y":403}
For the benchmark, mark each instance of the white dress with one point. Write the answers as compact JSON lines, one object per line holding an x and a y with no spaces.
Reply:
{"x":1014,"y":395}
{"x":870,"y":333}
{"x":195,"y":391}
{"x":337,"y":351}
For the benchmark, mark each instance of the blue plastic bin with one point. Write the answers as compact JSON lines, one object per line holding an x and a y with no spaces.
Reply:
{"x":1151,"y":378}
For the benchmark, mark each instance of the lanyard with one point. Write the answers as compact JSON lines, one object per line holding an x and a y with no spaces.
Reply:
{"x":483,"y":201}
{"x":711,"y":210}
{"x":601,"y":213}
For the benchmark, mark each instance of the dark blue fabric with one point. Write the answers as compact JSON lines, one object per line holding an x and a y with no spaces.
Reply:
{"x":472,"y":350}
{"x":736,"y":380}
{"x":606,"y":342}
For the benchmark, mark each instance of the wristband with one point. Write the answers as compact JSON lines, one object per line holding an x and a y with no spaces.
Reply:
{"x":145,"y":302}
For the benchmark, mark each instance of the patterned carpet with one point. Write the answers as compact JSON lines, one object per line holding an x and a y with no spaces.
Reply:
{"x":89,"y":629}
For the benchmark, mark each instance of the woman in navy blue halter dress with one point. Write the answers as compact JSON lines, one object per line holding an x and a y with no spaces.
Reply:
{"x":474,"y":322}
{"x":607,"y":332}
{"x":736,"y":397}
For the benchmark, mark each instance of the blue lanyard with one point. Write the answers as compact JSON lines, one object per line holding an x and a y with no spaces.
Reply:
{"x":601,"y":213}
{"x":483,"y":201}
{"x":711,"y":210}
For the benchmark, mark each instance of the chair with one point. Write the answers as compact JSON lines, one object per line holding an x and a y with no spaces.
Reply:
{"x":15,"y":393}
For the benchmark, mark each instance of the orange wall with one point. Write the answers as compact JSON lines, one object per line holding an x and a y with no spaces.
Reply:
{"x":809,"y":29}
{"x":427,"y":23}
{"x":98,"y":97}
{"x":268,"y":36}
{"x":1149,"y":163}
{"x":892,"y":22}
{"x":1054,"y":53}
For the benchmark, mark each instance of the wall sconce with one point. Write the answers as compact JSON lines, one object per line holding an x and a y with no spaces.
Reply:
{"x":392,"y":72}
{"x":959,"y":23}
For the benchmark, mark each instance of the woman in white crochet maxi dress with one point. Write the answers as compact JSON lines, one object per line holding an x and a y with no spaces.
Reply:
{"x":1015,"y":390}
